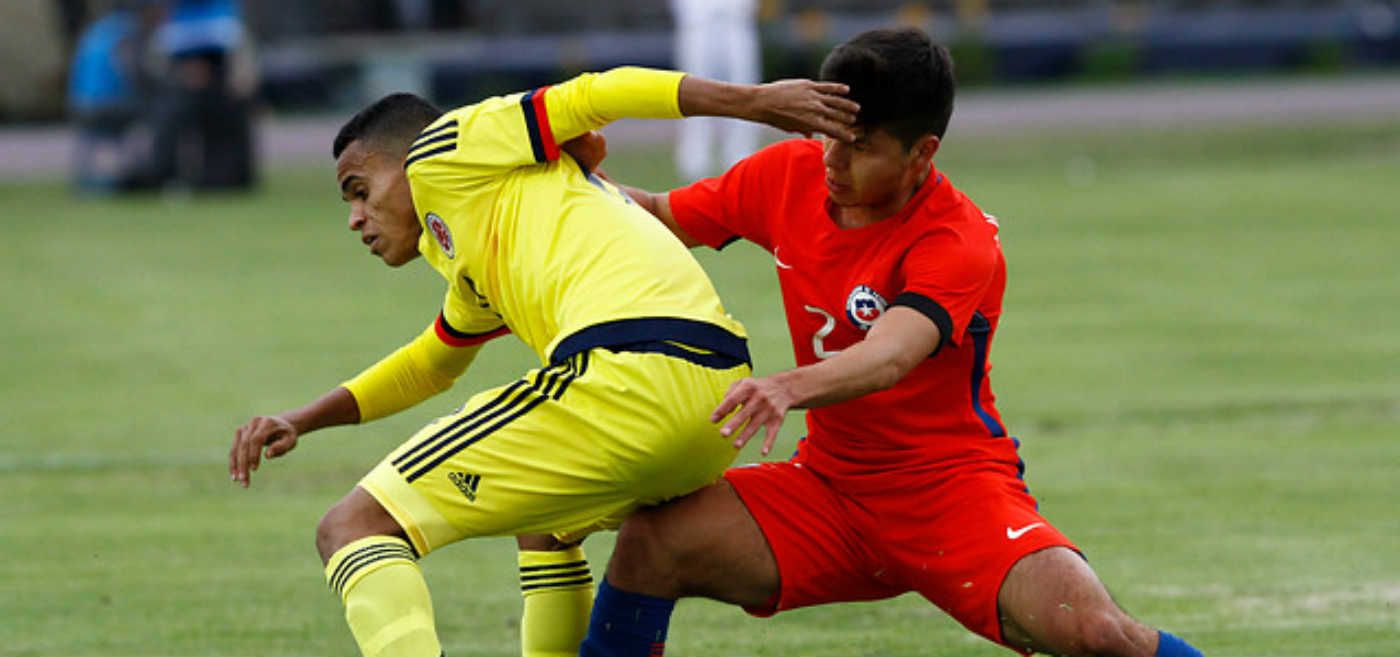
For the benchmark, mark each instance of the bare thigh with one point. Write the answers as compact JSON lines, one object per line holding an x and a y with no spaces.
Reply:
{"x":705,"y":544}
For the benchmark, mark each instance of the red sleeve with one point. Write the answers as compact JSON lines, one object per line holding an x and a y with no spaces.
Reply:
{"x":946,"y":276}
{"x":738,"y":203}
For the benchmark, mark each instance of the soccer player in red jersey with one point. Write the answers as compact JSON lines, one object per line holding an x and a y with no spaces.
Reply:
{"x":907,"y":480}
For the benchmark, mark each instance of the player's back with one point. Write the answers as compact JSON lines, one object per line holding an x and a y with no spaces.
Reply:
{"x":572,"y":251}
{"x":545,"y":247}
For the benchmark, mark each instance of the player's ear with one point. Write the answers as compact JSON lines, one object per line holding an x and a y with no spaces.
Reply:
{"x":924,"y":149}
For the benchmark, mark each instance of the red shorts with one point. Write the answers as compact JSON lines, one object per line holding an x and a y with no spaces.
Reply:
{"x":951,"y":537}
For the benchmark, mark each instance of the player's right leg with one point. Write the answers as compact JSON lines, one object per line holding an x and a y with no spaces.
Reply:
{"x":567,"y":449}
{"x":769,"y":537}
{"x":704,"y":544}
{"x":374,"y":571}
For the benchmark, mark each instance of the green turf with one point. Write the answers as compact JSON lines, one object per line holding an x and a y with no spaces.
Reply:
{"x":1199,"y":352}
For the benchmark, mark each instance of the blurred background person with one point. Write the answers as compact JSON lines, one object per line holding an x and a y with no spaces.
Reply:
{"x":716,"y":39}
{"x":106,"y":88}
{"x":201,"y":121}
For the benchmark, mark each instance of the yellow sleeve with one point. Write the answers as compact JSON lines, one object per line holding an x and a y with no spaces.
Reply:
{"x":416,"y":371}
{"x":526,"y":128}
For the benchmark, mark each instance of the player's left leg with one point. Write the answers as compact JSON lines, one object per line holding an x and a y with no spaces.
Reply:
{"x":557,"y":588}
{"x":1051,"y":601}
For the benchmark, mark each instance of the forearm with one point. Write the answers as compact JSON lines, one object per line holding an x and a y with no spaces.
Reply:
{"x":855,"y":372}
{"x":699,"y":96}
{"x":901,"y":339}
{"x":332,"y":409}
{"x":413,"y":373}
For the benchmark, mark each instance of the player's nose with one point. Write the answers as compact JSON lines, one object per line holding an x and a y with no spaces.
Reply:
{"x":357,"y":218}
{"x":836,"y":155}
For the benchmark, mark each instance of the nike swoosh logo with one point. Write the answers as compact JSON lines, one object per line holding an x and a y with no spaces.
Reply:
{"x":781,"y":264}
{"x":1014,"y":534}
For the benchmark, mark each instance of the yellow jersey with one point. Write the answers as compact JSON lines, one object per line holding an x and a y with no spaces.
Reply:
{"x":531,"y":243}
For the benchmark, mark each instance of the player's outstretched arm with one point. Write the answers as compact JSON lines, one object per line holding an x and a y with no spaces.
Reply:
{"x":275,"y":435}
{"x":801,"y":106}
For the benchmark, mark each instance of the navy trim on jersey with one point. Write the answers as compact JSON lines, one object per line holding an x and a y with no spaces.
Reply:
{"x":429,"y":153}
{"x":980,"y":329}
{"x":417,"y":141}
{"x":620,"y":334}
{"x":446,"y":136}
{"x":516,"y":400}
{"x":463,"y":335}
{"x":451,"y":444}
{"x":532,"y":125}
{"x":931,"y":309}
{"x":713,"y":361}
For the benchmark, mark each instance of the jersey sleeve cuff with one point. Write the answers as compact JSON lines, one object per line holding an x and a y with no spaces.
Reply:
{"x":697,"y":226}
{"x":932,"y":310}
{"x":454,"y":338}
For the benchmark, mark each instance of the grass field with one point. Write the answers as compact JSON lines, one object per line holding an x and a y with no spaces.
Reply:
{"x":1201,"y":354}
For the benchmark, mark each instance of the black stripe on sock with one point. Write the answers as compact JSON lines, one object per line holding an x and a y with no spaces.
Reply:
{"x":555,"y":566}
{"x":573,"y":582}
{"x":362,"y":557}
{"x":544,"y":576}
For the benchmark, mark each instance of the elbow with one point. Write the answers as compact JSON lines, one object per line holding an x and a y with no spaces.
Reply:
{"x":893,"y":370}
{"x":888,"y":375}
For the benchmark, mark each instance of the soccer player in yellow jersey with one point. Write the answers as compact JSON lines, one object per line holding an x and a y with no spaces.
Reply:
{"x":635,"y":348}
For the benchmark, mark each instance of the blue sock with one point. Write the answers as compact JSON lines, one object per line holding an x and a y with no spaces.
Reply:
{"x":1170,"y":645}
{"x":626,"y":624}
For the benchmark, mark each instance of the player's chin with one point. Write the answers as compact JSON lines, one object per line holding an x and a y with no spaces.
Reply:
{"x":842,"y":198}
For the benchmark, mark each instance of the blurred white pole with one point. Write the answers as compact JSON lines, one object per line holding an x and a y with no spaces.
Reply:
{"x":715,"y":39}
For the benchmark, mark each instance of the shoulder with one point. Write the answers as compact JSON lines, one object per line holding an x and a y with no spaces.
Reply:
{"x":951,"y":224}
{"x":787,"y":154}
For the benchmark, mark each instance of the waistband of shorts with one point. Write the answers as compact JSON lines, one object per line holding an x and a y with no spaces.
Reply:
{"x":700,"y":343}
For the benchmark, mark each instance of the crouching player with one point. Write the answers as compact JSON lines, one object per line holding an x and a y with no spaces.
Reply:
{"x":892,"y":282}
{"x":635,"y":348}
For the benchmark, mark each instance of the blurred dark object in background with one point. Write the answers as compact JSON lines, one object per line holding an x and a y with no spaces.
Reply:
{"x":332,"y":55}
{"x":201,"y":115}
{"x":107,"y":91}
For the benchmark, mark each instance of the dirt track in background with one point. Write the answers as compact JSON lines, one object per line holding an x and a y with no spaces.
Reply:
{"x":29,"y":153}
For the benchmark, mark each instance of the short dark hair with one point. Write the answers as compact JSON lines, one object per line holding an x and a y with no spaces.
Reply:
{"x":902,"y":80}
{"x":392,"y":122}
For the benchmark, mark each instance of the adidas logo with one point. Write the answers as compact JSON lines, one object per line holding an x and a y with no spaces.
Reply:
{"x":467,"y":483}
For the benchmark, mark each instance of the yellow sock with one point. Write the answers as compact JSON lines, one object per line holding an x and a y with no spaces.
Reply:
{"x":386,"y":599}
{"x":558,"y":591}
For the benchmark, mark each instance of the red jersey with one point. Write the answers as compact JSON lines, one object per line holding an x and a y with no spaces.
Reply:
{"x":939,"y":255}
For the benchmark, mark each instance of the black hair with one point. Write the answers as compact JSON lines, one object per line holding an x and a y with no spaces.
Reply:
{"x":392,"y":122}
{"x":902,"y":80}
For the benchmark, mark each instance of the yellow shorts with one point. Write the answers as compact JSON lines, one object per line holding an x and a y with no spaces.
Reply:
{"x":568,"y":449}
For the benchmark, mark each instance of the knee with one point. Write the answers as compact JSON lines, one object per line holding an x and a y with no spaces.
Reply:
{"x":1108,"y":632}
{"x":643,"y":561}
{"x":330,"y":531}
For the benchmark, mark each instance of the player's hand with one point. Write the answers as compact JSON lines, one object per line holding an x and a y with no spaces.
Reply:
{"x":589,"y":149}
{"x":807,"y":107}
{"x":263,"y":435}
{"x":761,"y":403}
